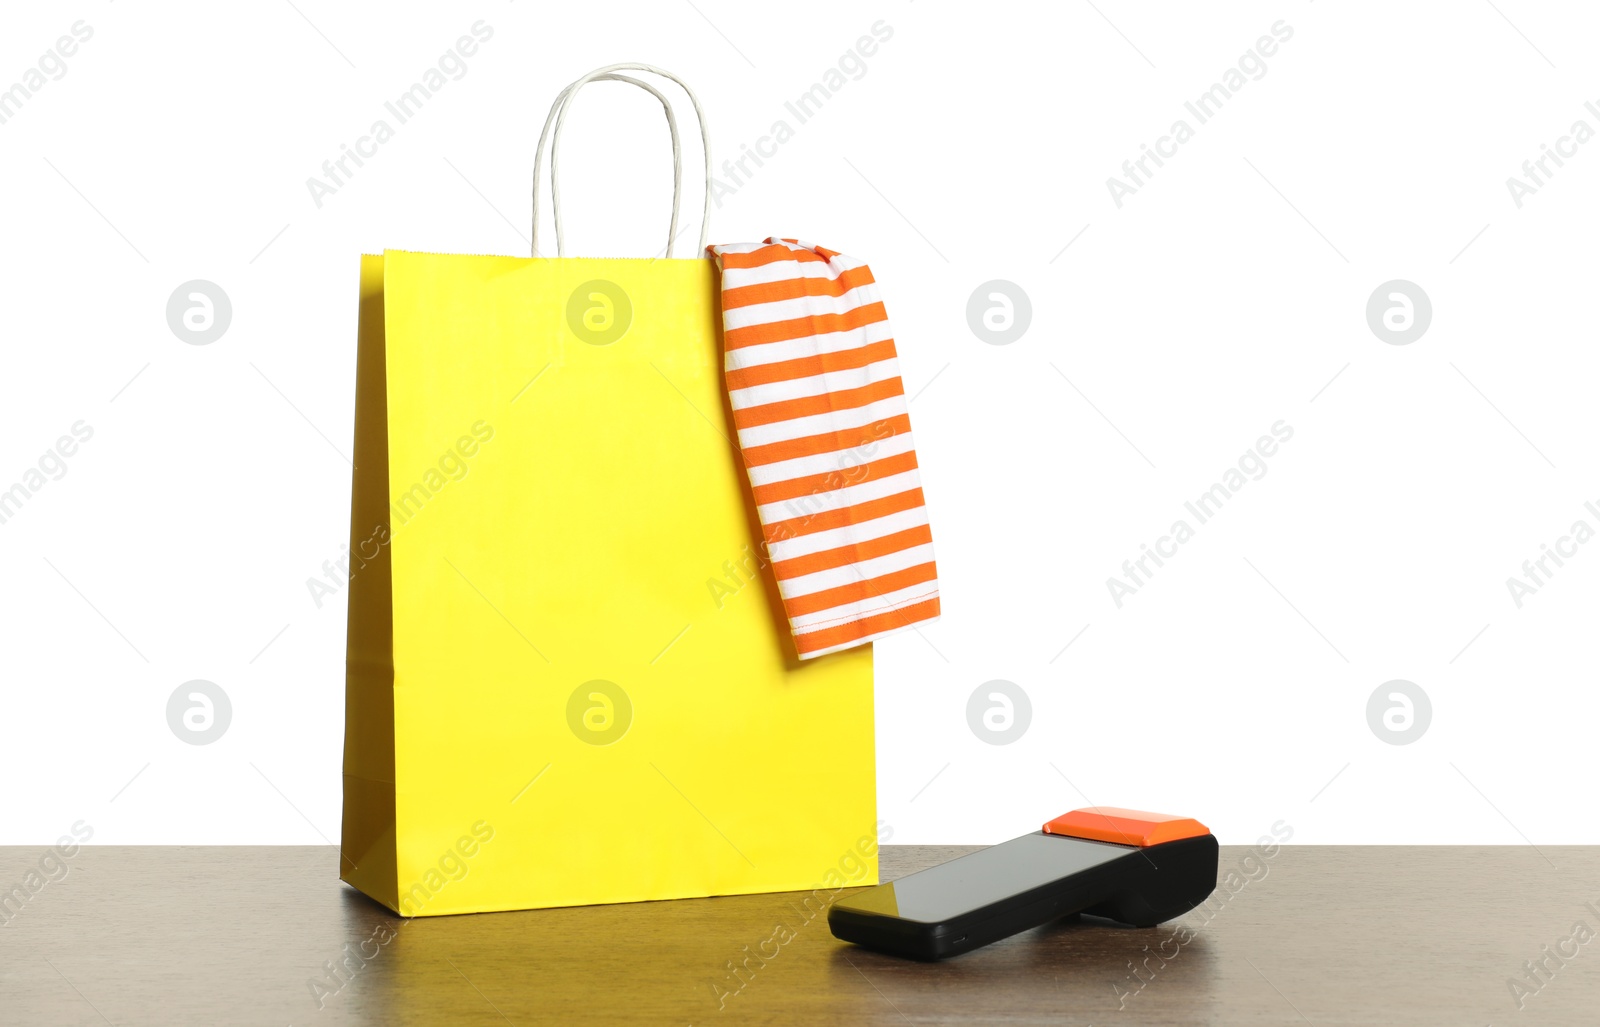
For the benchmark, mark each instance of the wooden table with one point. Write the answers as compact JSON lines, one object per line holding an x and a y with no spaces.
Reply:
{"x":1319,"y":935}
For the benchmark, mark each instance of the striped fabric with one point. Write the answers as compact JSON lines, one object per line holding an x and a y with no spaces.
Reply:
{"x":820,"y":410}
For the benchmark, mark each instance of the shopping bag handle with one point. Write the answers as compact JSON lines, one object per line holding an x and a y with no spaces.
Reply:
{"x":557,"y":117}
{"x":538,"y":162}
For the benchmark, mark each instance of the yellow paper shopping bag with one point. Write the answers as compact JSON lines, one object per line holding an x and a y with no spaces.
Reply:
{"x":570,"y":680}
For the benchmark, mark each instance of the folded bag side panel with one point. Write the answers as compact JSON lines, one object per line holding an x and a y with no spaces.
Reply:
{"x":367,"y":848}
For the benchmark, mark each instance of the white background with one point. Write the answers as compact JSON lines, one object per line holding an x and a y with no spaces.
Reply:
{"x":1226,"y":294}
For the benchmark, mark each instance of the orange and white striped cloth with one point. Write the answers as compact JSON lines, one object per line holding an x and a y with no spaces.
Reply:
{"x":820,"y":410}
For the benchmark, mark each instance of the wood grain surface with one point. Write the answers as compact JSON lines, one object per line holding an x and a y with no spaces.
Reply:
{"x":1315,"y":935}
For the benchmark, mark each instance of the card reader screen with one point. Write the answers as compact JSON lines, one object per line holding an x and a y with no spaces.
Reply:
{"x":984,"y":877}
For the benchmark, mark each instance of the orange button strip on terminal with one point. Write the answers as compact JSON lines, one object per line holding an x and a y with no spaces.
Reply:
{"x":1125,"y":826}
